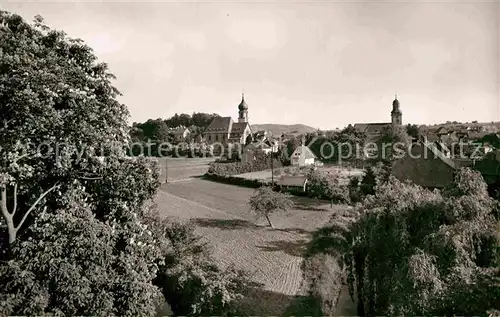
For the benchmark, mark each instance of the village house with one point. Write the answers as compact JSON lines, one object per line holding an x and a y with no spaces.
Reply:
{"x":179,"y":133}
{"x":426,"y":166}
{"x":295,"y":184}
{"x":302,"y":156}
{"x":224,"y":130}
{"x":265,"y":145}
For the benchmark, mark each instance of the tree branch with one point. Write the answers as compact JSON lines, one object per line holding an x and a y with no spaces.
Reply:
{"x":90,"y":178}
{"x":15,"y":200}
{"x":34,"y":205}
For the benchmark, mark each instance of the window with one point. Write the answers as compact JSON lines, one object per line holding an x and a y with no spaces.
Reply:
{"x":209,"y":137}
{"x":216,"y":138}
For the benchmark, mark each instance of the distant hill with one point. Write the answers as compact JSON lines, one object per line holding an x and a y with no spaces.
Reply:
{"x":278,"y":129}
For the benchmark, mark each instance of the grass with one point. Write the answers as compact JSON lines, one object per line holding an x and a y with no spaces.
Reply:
{"x":272,"y":256}
{"x":265,"y":175}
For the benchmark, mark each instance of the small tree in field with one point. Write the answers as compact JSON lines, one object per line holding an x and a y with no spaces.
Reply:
{"x":265,"y":201}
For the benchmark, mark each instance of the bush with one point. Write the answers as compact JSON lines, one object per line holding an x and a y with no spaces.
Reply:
{"x":355,"y":194}
{"x":326,"y":186}
{"x":323,"y":268}
{"x":252,"y":183}
{"x":190,"y":282}
{"x":417,"y":252}
{"x":235,"y":168}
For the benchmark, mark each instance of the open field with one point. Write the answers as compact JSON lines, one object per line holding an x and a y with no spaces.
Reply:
{"x":272,"y":256}
{"x":182,"y":168}
{"x":344,"y":173}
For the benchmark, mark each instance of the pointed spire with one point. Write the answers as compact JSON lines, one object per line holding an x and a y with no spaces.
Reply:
{"x":242,"y":96}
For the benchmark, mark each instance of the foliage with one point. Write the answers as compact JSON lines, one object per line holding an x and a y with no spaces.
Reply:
{"x":234,"y":180}
{"x":354,"y":189}
{"x":412,"y":130}
{"x":84,"y":248}
{"x":368,"y":182}
{"x":394,"y":141}
{"x":324,"y":268}
{"x":190,"y":282}
{"x":343,"y":146}
{"x":326,"y":186}
{"x":417,"y":252}
{"x":262,"y":162}
{"x":157,"y":130}
{"x":71,"y":263}
{"x":266,"y":201}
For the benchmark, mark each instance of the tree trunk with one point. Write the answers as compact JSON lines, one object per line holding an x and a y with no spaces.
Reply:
{"x":269,"y":221}
{"x":8,"y":217}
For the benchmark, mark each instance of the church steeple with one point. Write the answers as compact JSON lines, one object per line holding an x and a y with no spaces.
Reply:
{"x":243,"y":110}
{"x":396,"y":114}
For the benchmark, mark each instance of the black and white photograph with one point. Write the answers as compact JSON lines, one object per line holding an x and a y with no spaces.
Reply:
{"x":250,"y":158}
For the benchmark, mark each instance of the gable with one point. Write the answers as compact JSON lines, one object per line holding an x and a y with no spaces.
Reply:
{"x":304,"y":151}
{"x":220,"y":124}
{"x":240,"y":127}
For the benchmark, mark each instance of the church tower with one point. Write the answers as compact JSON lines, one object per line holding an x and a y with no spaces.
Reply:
{"x":396,"y":114}
{"x":243,"y":110}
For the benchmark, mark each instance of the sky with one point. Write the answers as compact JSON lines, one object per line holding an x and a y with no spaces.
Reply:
{"x":321,"y":63}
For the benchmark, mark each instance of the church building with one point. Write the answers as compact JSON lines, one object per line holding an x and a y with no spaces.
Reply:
{"x":224,"y":130}
{"x":373,"y":130}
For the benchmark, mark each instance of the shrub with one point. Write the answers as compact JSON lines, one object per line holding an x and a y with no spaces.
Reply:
{"x":190,"y":282}
{"x":326,"y":186}
{"x":323,"y":268}
{"x":417,"y":252}
{"x":354,"y":189}
{"x":235,"y":168}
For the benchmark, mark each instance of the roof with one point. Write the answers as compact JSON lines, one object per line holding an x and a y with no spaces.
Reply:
{"x":292,"y":180}
{"x":371,"y":127}
{"x":257,"y":145}
{"x":178,"y":130}
{"x":431,"y":137}
{"x":442,"y":130}
{"x":243,"y":105}
{"x":220,"y":124}
{"x":476,"y":135}
{"x":304,"y":150}
{"x":239,"y":127}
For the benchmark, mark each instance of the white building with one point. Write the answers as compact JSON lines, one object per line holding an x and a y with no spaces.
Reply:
{"x":302,"y":156}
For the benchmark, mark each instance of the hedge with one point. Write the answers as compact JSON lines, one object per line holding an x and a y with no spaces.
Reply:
{"x":240,"y":181}
{"x":235,"y":168}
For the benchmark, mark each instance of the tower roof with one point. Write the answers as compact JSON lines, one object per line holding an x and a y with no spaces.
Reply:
{"x":243,"y":105}
{"x":395,"y":103}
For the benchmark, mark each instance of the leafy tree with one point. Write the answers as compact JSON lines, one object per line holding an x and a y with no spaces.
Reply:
{"x":412,"y":130}
{"x":266,"y":201}
{"x":417,"y":252}
{"x":393,"y":141}
{"x":326,"y":186}
{"x":54,"y":95}
{"x":77,"y":239}
{"x":368,"y":182}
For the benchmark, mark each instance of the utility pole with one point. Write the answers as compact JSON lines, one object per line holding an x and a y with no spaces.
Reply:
{"x":166,"y":169}
{"x":272,"y":168}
